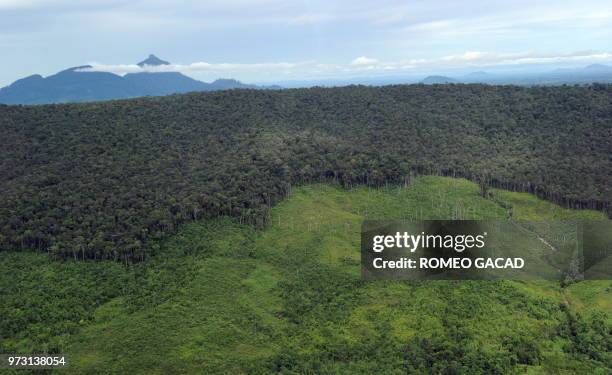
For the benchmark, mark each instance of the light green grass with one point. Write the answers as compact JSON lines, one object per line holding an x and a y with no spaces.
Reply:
{"x":224,"y":298}
{"x":529,"y":207}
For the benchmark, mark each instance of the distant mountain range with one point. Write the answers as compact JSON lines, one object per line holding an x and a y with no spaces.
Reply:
{"x":75,"y":85}
{"x":596,"y":73}
{"x":432,"y":80}
{"x":590,"y":74}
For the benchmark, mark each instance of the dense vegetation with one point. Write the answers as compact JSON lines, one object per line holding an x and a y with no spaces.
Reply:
{"x":100,"y":180}
{"x":223,"y":298}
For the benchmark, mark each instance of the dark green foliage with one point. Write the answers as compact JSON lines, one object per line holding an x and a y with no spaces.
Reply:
{"x":445,"y":355}
{"x":99,"y":180}
{"x":525,"y":351}
{"x":589,"y":337}
{"x":43,"y":301}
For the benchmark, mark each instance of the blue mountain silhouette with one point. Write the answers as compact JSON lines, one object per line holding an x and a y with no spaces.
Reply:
{"x":77,"y":85}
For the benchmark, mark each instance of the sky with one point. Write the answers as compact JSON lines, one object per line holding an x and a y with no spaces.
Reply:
{"x":277,"y":41}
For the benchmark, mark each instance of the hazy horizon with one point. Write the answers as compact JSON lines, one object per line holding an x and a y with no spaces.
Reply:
{"x":273,"y":41}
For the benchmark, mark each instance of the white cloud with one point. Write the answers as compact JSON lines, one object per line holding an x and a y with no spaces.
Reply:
{"x":197,"y":67}
{"x":14,"y":4}
{"x":363,"y":61}
{"x":489,"y":58}
{"x":60,"y":5}
{"x":484,"y":59}
{"x":535,"y":18}
{"x":362,"y":65}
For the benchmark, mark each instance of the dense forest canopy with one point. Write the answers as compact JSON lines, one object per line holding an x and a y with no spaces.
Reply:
{"x":99,"y":180}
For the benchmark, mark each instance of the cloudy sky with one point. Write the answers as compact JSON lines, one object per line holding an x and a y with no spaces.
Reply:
{"x":281,"y":40}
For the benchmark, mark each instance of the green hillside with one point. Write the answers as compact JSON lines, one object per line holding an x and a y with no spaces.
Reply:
{"x":220,"y":297}
{"x":102,"y":180}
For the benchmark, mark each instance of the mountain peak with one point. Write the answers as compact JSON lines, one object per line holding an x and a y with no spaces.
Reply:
{"x":597,"y":67}
{"x":432,"y":80}
{"x":153,"y":60}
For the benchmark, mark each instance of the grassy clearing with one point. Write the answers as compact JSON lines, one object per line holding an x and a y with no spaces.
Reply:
{"x":223,"y":298}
